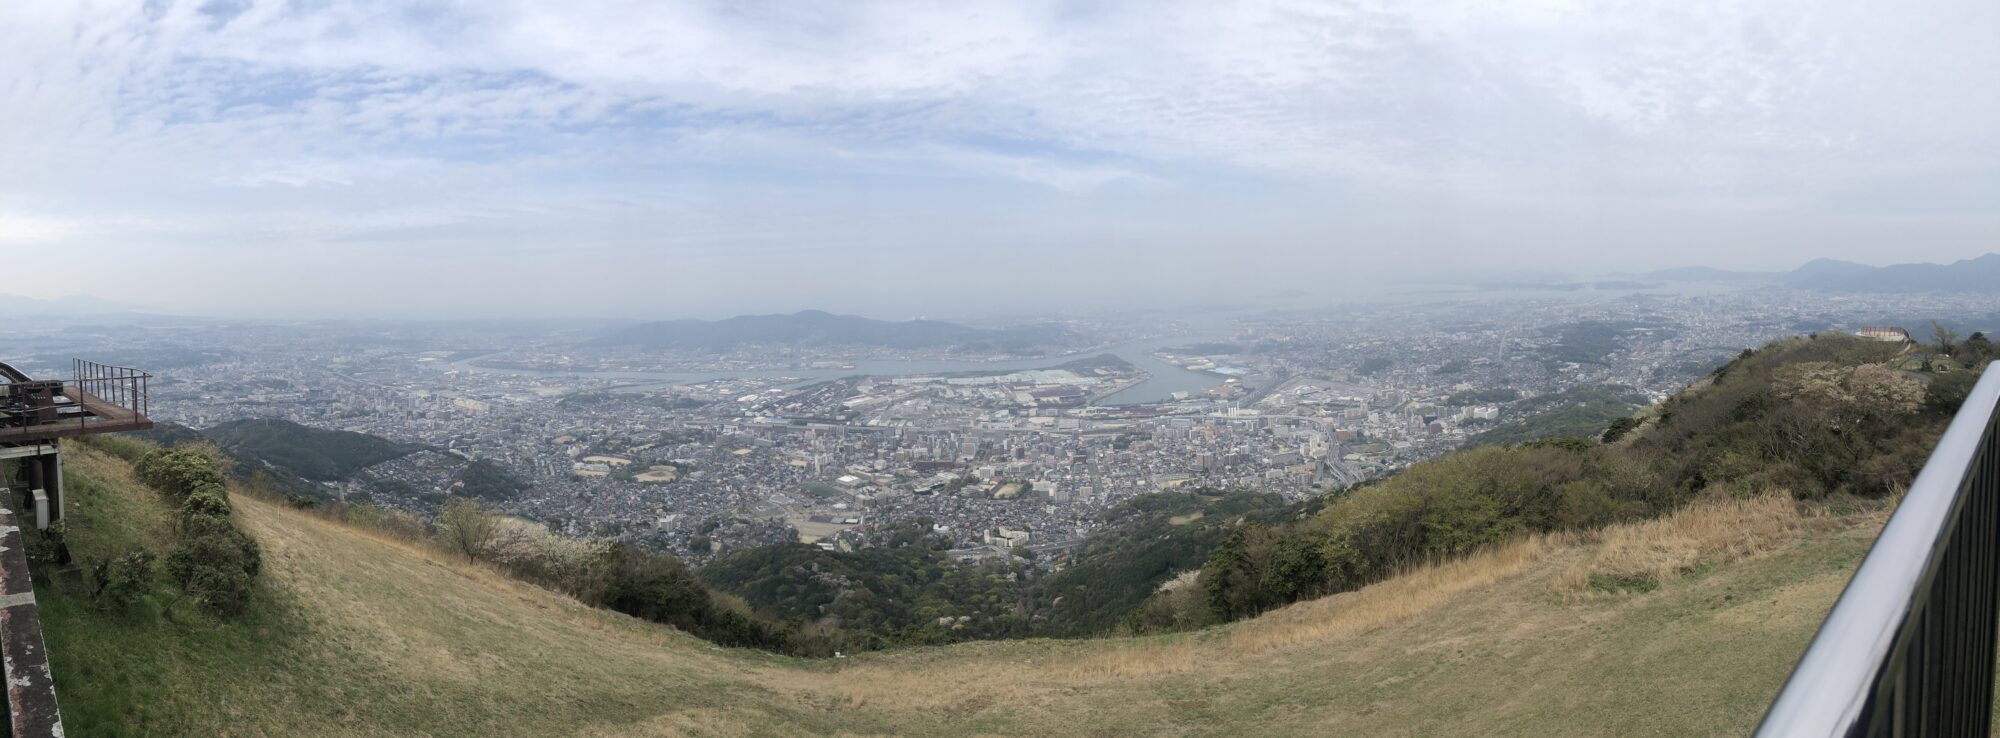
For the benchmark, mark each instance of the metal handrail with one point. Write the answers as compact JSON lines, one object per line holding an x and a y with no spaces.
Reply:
{"x":1909,"y":647}
{"x":121,"y":386}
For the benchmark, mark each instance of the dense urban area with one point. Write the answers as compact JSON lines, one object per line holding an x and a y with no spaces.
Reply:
{"x":704,"y":451}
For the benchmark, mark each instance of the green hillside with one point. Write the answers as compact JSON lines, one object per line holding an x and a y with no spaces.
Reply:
{"x":291,"y":459}
{"x":1580,"y":411}
{"x":353,"y":633}
{"x":312,"y":453}
{"x":895,"y":590}
{"x":1661,"y":583}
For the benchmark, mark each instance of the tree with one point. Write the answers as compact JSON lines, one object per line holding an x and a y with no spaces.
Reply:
{"x":468,"y":527}
{"x":1619,"y":428}
{"x":1947,"y":340}
{"x":1848,"y":397}
{"x":1882,"y":394}
{"x":1977,"y":348}
{"x":1949,"y":391}
{"x":1233,"y":579}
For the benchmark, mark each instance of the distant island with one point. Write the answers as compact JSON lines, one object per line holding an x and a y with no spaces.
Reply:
{"x":820,"y":328}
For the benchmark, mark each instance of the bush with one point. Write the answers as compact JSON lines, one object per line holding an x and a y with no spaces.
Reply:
{"x":47,"y":546}
{"x":1180,"y":608}
{"x":1948,"y":391}
{"x":204,"y":502}
{"x":467,"y":527}
{"x":572,"y":566}
{"x":1619,"y":428}
{"x":216,"y":565}
{"x":178,"y":471}
{"x":120,"y":581}
{"x":659,"y":588}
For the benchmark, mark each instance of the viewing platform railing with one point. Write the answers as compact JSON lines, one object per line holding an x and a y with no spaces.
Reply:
{"x":1908,"y":649}
{"x":96,"y":398}
{"x":117,"y":386}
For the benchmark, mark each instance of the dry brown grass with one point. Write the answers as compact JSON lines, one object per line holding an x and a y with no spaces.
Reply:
{"x":1705,"y":533}
{"x":975,"y":679}
{"x":1143,"y":659}
{"x":1399,"y":598}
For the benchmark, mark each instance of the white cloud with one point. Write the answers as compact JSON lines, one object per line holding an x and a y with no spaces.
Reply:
{"x":874,"y":126}
{"x":17,"y":228}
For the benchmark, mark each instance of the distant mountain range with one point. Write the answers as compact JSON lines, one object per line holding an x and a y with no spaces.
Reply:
{"x":71,"y":305}
{"x":815,"y":327}
{"x":1980,"y":274}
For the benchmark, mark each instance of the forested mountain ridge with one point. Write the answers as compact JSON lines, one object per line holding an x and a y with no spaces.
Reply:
{"x":1810,"y":418}
{"x":317,"y":454}
{"x":901,"y":588}
{"x":299,"y":460}
{"x":814,"y":327}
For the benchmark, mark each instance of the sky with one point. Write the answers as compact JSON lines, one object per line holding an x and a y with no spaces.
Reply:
{"x":669,"y":159}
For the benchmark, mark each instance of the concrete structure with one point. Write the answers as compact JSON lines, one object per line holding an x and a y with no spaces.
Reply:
{"x":34,"y":416}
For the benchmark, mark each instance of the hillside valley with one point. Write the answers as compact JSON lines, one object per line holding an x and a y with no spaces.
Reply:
{"x":356,"y":633}
{"x":1689,"y":539}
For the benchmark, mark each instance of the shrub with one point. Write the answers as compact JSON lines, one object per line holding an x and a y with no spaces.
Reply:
{"x":572,"y":566}
{"x":661,"y":589}
{"x":47,"y":545}
{"x":1619,"y":428}
{"x":215,"y":565}
{"x":178,"y":471}
{"x":467,"y":527}
{"x":1179,"y":608}
{"x":1948,"y":391}
{"x":118,"y":582}
{"x":209,"y":501}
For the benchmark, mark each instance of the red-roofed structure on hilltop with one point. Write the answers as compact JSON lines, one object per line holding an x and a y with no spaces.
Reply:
{"x":1884,"y":333}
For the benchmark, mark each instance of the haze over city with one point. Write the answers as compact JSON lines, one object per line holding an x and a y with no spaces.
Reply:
{"x":899,"y":159}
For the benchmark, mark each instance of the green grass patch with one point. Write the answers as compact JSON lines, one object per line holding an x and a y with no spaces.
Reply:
{"x":1614,"y":584}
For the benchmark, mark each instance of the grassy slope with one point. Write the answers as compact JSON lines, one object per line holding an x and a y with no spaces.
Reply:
{"x":359,"y":635}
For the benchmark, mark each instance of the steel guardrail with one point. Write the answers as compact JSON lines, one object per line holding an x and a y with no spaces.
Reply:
{"x":1908,"y":649}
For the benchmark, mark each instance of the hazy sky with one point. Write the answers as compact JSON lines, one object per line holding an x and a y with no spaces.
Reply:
{"x":657,"y":159}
